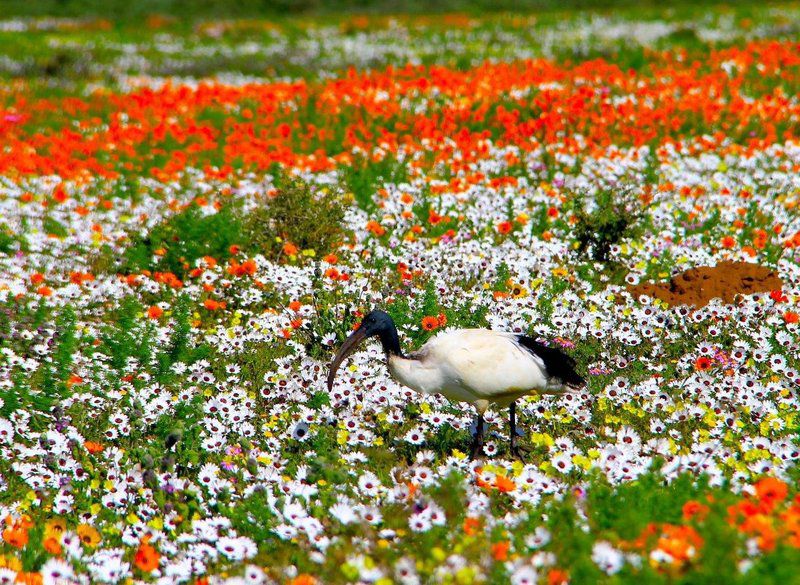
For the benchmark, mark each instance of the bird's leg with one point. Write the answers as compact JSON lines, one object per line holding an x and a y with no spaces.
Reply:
{"x":516,"y":451}
{"x":477,"y":442}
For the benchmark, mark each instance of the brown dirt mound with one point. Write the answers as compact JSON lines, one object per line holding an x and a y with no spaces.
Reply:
{"x":697,"y":286}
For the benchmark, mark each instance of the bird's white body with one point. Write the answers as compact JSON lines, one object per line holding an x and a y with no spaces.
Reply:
{"x":478,"y":366}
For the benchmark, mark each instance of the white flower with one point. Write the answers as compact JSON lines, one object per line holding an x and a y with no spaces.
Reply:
{"x":525,"y":575}
{"x":236,"y":549}
{"x":343,"y":512}
{"x":539,"y":538}
{"x":609,"y":559}
{"x":414,"y":436}
{"x":420,"y":522}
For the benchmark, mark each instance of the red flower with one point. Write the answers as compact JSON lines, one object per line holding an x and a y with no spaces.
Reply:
{"x":505,"y":227}
{"x":147,"y":557}
{"x":500,"y":550}
{"x":693,"y":508}
{"x":154,"y":312}
{"x":702,"y":364}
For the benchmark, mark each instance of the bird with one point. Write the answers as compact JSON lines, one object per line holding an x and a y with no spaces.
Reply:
{"x":481,"y":367}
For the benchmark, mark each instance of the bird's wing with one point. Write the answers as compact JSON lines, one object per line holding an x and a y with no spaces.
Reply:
{"x":489,"y":364}
{"x":558,"y":364}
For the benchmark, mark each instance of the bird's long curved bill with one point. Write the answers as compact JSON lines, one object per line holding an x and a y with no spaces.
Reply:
{"x":349,"y":346}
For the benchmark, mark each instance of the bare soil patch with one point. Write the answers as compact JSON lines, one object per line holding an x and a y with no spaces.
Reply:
{"x":697,"y":286}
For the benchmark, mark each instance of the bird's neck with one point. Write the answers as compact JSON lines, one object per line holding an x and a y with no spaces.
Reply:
{"x":390,"y":341}
{"x":415,"y":374}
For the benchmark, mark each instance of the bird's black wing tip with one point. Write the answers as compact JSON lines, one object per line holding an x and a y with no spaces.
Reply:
{"x":557,"y":363}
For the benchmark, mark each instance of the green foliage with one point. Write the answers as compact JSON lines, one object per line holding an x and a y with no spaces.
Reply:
{"x":408,"y":313}
{"x":66,"y":344}
{"x":613,"y":218}
{"x":125,"y":338}
{"x":105,"y":260}
{"x":8,"y":242}
{"x":328,"y":318}
{"x":255,"y":360}
{"x":571,"y":544}
{"x":178,"y":348}
{"x":253,"y":516}
{"x":502,"y":278}
{"x":183,"y":238}
{"x":365,"y":176}
{"x":626,"y":509}
{"x":39,"y":392}
{"x":52,"y":226}
{"x":309,"y":218}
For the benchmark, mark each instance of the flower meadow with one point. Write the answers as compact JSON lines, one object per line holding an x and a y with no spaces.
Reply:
{"x":194,"y":217}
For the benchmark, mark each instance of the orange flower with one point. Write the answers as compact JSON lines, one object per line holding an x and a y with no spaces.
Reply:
{"x":771,"y":490}
{"x":295,"y":305}
{"x":504,"y":484}
{"x":728,"y":242}
{"x":702,"y":364}
{"x":248,"y":267}
{"x":791,"y":317}
{"x":29,"y":578}
{"x":45,"y":291}
{"x":375,"y":228}
{"x":505,"y":227}
{"x":52,"y":545}
{"x":155,"y":312}
{"x":93,"y":447}
{"x":290,"y":249}
{"x":146,"y":557}
{"x":778,"y":296}
{"x":303,"y":579}
{"x":16,"y":534}
{"x":430,"y":323}
{"x":37,"y":278}
{"x":557,"y":577}
{"x":213,"y":305}
{"x":680,"y":542}
{"x":471,"y":525}
{"x":500,"y":550}
{"x":693,"y":508}
{"x":60,"y":193}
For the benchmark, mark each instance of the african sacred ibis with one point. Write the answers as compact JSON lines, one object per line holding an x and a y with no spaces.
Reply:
{"x":478,"y":366}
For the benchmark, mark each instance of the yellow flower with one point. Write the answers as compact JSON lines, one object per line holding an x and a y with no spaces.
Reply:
{"x":9,"y":562}
{"x":55,"y":528}
{"x":88,"y":535}
{"x":518,"y":291}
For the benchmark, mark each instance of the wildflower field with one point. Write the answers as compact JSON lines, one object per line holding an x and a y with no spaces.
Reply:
{"x":194,"y":216}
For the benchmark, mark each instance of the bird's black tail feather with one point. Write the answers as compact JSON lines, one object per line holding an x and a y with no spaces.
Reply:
{"x":557,"y":363}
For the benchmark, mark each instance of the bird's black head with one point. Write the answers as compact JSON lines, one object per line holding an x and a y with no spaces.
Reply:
{"x":375,"y":323}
